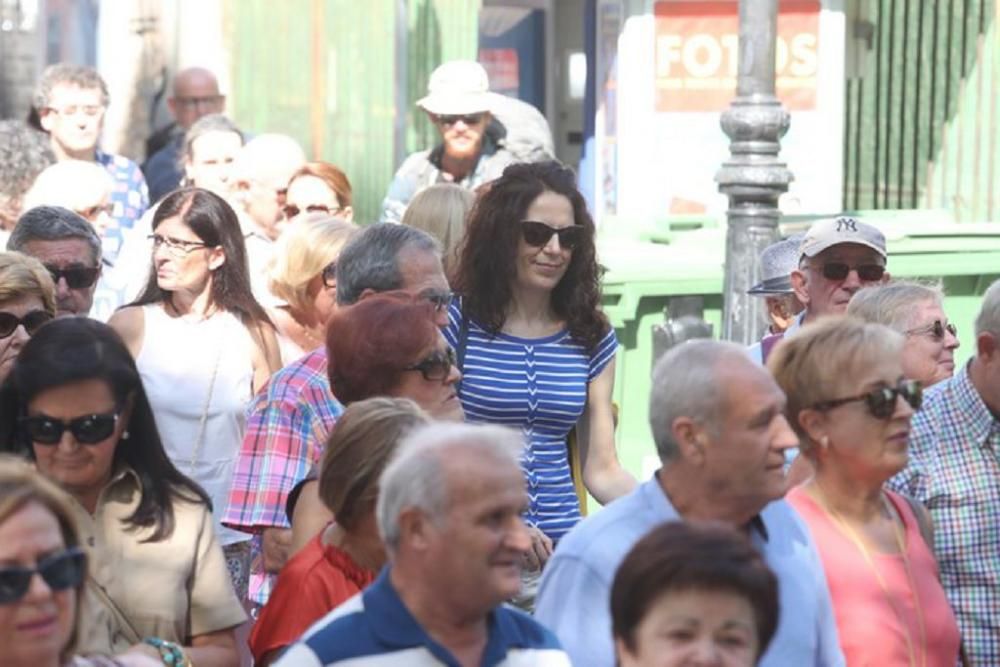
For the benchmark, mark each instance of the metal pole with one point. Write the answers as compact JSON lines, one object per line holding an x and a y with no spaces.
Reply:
{"x":754,"y":177}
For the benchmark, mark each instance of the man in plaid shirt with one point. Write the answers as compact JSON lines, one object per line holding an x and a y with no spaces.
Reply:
{"x":954,"y":470}
{"x":289,"y":419}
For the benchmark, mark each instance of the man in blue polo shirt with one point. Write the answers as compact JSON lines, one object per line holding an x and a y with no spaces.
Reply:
{"x":718,"y":423}
{"x":449,"y":512}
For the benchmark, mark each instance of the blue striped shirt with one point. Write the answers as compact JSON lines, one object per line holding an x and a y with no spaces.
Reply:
{"x":954,"y":470}
{"x":538,"y":385}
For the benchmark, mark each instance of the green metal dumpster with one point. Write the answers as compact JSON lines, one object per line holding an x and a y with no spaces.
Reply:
{"x":649,"y":266}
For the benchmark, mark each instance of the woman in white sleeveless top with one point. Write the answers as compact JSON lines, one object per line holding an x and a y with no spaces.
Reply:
{"x":203,"y":345}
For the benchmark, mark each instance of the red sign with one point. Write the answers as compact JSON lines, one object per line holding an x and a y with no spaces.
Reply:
{"x":697,"y":46}
{"x":502,"y":66}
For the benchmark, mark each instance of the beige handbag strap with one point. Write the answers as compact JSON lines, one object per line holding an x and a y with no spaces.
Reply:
{"x":124,"y":625}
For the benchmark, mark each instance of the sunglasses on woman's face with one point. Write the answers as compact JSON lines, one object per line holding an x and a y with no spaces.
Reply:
{"x":291,"y":210}
{"x":936,"y":329}
{"x":436,"y":367}
{"x":87,"y":430}
{"x":31,"y":321}
{"x":60,"y":571}
{"x":330,"y":275}
{"x":882,"y":402}
{"x":537,"y":234}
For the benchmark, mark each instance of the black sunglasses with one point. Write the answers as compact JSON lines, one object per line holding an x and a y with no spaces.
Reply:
{"x":882,"y":402}
{"x":291,"y":210}
{"x":468,"y":118}
{"x":937,"y":329}
{"x":9,"y":322}
{"x":537,"y":234}
{"x":79,"y":277}
{"x":88,"y":429}
{"x":60,"y":571}
{"x":437,"y":366}
{"x":330,"y":275}
{"x":840,"y":270}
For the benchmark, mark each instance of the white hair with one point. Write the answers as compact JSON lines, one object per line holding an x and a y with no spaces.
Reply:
{"x":892,"y":304}
{"x":685,"y":384}
{"x":416,"y":478}
{"x":988,"y":320}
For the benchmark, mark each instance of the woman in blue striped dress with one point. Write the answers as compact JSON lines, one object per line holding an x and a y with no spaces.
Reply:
{"x":535,"y":349}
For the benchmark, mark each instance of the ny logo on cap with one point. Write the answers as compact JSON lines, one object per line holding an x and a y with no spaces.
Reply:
{"x":847,"y":225}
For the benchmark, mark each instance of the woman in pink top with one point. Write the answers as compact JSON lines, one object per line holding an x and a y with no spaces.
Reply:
{"x":851,"y":407}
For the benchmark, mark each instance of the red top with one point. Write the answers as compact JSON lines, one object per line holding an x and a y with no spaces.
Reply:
{"x":869,"y":626}
{"x":311,"y":584}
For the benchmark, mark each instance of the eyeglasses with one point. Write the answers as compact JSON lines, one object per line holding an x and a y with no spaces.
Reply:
{"x":868,"y":273}
{"x":937,"y":329}
{"x":74,"y":109}
{"x":330,"y":275}
{"x":291,"y":210}
{"x":468,"y":119}
{"x":60,"y":571}
{"x":77,"y":277}
{"x":882,"y":402}
{"x":176,"y":247}
{"x":189,"y":103}
{"x":441,"y":299}
{"x":87,"y":430}
{"x":538,"y":234}
{"x":437,"y":366}
{"x":9,"y":322}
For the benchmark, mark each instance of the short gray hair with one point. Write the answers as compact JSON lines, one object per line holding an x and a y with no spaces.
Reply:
{"x":53,"y":223}
{"x":892,"y":304}
{"x":988,"y":320}
{"x":371,"y":259}
{"x":68,"y":74}
{"x":24,"y":154}
{"x":416,"y":478}
{"x":214,"y":122}
{"x":685,"y":384}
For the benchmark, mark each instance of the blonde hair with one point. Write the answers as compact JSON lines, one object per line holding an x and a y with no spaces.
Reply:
{"x":816,"y":362}
{"x":302,"y":252}
{"x":72,"y":184}
{"x":441,"y":210}
{"x":21,"y":485}
{"x":360,"y":446}
{"x":23,"y":276}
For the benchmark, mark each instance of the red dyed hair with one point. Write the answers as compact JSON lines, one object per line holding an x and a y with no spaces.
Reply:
{"x":331,"y":175}
{"x":371,"y":342}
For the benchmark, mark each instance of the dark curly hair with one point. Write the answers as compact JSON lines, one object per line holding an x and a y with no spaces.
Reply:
{"x":487,"y":265}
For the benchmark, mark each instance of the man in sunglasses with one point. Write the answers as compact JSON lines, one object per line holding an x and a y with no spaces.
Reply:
{"x":290,"y":418}
{"x":472,"y":149}
{"x":70,"y":249}
{"x":952,"y":469}
{"x":838,"y":257}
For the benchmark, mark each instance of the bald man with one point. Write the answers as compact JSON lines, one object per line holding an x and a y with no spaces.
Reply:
{"x":258,"y":182}
{"x":195,"y":94}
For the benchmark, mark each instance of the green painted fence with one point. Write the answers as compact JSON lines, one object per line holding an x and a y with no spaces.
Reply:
{"x":325,"y":72}
{"x":922,"y":115}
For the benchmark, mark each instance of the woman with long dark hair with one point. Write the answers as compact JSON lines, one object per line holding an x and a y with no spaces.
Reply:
{"x":535,"y":350}
{"x":203,"y":345}
{"x":75,"y":404}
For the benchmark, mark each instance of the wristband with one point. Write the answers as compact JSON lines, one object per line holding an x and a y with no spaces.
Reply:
{"x":171,"y":654}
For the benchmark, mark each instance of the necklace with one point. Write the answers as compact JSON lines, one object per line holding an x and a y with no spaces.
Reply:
{"x":852,"y":535}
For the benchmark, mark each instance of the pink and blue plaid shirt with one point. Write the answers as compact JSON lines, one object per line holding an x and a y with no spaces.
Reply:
{"x":287,"y":425}
{"x":954,"y":470}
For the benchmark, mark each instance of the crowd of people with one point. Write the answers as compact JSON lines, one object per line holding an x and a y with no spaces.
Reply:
{"x":238,"y":427}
